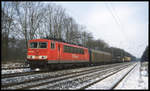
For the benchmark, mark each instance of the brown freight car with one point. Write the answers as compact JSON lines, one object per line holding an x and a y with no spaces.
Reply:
{"x":100,"y":57}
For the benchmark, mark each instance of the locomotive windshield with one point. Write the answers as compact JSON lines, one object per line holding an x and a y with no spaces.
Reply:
{"x":38,"y":45}
{"x":42,"y":44}
{"x":33,"y":45}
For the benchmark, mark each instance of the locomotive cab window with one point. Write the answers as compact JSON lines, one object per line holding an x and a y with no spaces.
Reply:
{"x":33,"y":45}
{"x":52,"y":45}
{"x":38,"y":45}
{"x":42,"y":45}
{"x":82,"y":51}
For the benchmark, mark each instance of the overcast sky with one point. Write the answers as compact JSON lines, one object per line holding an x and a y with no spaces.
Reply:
{"x":120,"y":24}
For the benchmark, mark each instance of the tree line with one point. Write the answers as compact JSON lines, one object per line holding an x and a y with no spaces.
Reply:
{"x":23,"y":21}
{"x":144,"y":56}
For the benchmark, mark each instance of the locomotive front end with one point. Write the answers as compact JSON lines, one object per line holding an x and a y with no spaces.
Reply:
{"x":37,"y":53}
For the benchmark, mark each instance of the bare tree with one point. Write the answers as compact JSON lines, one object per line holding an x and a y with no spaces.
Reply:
{"x":23,"y":21}
{"x":7,"y":26}
{"x":29,"y":17}
{"x":71,"y":30}
{"x":59,"y":14}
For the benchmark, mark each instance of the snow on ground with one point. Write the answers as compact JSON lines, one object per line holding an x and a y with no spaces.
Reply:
{"x":109,"y":82}
{"x":36,"y":76}
{"x":15,"y":71}
{"x":30,"y":77}
{"x":12,"y":65}
{"x":135,"y":80}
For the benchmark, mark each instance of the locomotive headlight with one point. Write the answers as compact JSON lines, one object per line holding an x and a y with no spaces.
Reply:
{"x":45,"y":57}
{"x":33,"y":57}
{"x":42,"y":57}
{"x":28,"y":57}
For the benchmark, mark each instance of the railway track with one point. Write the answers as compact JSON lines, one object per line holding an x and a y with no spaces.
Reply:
{"x":17,"y":71}
{"x":115,"y":85}
{"x":47,"y":76}
{"x":17,"y":74}
{"x":79,"y":82}
{"x":111,"y":81}
{"x":20,"y":74}
{"x":60,"y":80}
{"x":12,"y":68}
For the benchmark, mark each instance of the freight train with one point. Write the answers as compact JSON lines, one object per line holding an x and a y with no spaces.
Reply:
{"x":127,"y":59}
{"x":51,"y":53}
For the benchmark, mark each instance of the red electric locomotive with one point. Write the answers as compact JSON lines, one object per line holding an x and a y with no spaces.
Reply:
{"x":43,"y":52}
